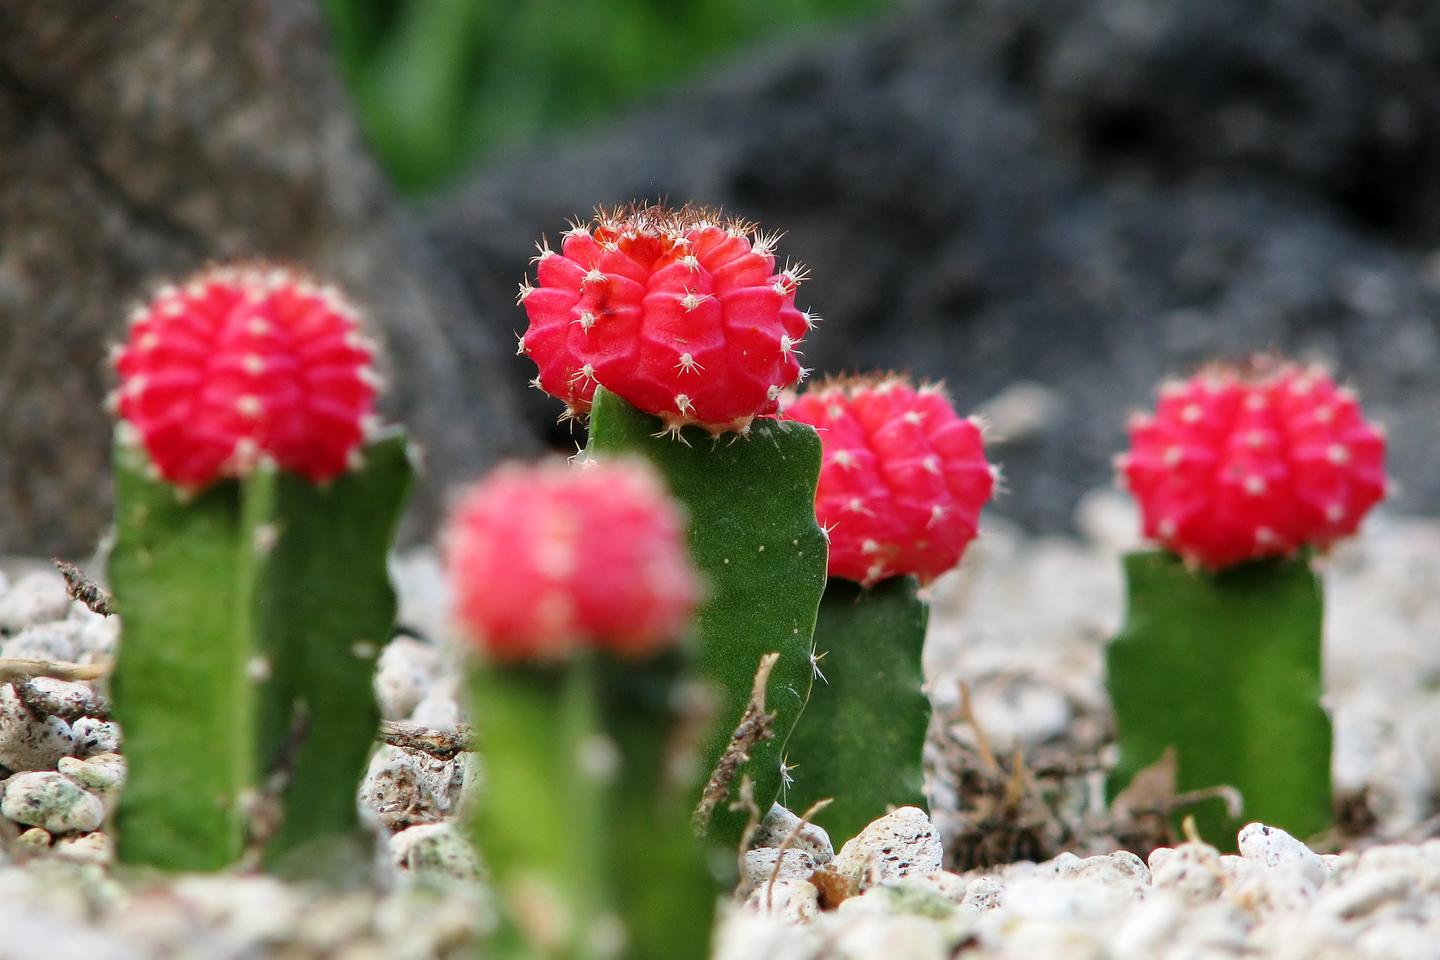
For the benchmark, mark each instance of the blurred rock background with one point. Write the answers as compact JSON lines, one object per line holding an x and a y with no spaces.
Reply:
{"x":1048,"y":203}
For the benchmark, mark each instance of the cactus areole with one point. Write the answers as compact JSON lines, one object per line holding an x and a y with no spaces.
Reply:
{"x":1240,"y":463}
{"x":903,"y":479}
{"x":548,"y":559}
{"x":243,"y":364}
{"x":680,"y":313}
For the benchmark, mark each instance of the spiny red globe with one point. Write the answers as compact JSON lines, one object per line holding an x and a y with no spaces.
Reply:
{"x":680,"y":313}
{"x":245,"y":363}
{"x":902,"y":480}
{"x":544,"y":560}
{"x":1242,"y":463}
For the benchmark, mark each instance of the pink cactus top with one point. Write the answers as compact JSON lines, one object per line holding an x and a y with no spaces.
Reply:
{"x":1237,"y":464}
{"x":544,"y":560}
{"x":242,"y":364}
{"x":903,"y":477}
{"x":681,"y":313}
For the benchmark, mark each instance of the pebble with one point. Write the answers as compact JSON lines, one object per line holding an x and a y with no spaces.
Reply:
{"x":70,"y":701}
{"x":760,"y":867}
{"x":54,"y":642}
{"x":791,"y":901}
{"x":1278,"y":850}
{"x":94,"y":736}
{"x":102,"y":775}
{"x":52,"y":801}
{"x":404,"y":675}
{"x":402,"y":788}
{"x":431,"y":853}
{"x":900,"y":844}
{"x":780,"y":823}
{"x":86,"y":848}
{"x":35,"y":598}
{"x":28,"y":742}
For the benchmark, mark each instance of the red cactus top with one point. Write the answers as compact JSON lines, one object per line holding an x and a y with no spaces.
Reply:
{"x":681,"y":313}
{"x":1238,"y":464}
{"x":903,"y":477}
{"x":547,"y":559}
{"x":242,"y":364}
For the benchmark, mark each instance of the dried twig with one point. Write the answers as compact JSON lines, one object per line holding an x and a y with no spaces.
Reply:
{"x":82,"y":588}
{"x":746,"y":801}
{"x":755,"y":726}
{"x":12,"y":669}
{"x":441,"y":744}
{"x":789,"y":841}
{"x":982,"y":743}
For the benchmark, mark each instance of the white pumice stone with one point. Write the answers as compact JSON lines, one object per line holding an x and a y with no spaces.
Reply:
{"x":35,"y":598}
{"x":102,"y":775}
{"x":760,"y":866}
{"x":404,"y":675}
{"x":983,"y":893}
{"x":98,"y":636}
{"x":791,"y":901}
{"x":28,"y":742}
{"x":900,"y":844}
{"x":63,"y":697}
{"x":1191,"y":871}
{"x":430,"y":853}
{"x":402,"y":788}
{"x":52,"y":801}
{"x":779,"y":823}
{"x":1276,"y":848}
{"x":94,"y":736}
{"x":94,"y":847}
{"x":58,"y":641}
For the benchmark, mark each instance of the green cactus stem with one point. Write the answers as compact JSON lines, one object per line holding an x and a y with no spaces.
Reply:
{"x":252,"y":613}
{"x":328,"y":608}
{"x":862,"y":735}
{"x":185,"y":575}
{"x":754,"y":538}
{"x":1225,"y":667}
{"x":584,"y":820}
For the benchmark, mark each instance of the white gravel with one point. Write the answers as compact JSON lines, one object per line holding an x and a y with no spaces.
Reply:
{"x":1024,"y":624}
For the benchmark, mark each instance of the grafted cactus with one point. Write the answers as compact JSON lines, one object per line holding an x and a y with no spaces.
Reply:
{"x":675,"y":331}
{"x":901,"y":489}
{"x":1239,"y":474}
{"x":574,"y":584}
{"x":253,"y":523}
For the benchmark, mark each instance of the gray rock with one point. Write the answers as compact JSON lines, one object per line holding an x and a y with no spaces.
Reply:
{"x":95,"y":736}
{"x":1277,"y":849}
{"x":95,"y":848}
{"x":760,"y":867}
{"x":51,"y":801}
{"x":898,"y":845}
{"x":404,"y":675}
{"x":402,"y":789}
{"x":28,"y":742}
{"x":779,"y":823}
{"x":791,"y":901}
{"x":431,"y":853}
{"x":35,"y":598}
{"x":103,"y":775}
{"x":55,"y":641}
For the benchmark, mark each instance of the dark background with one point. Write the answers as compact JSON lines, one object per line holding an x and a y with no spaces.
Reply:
{"x":1083,"y":195}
